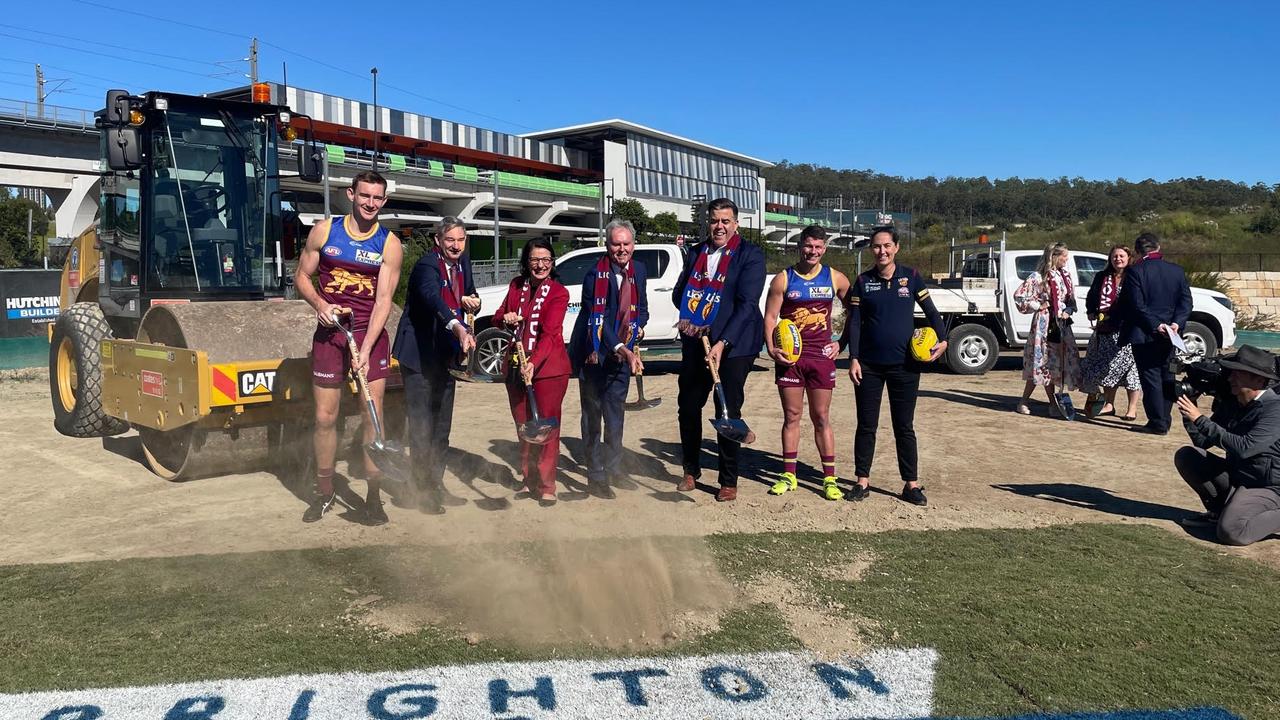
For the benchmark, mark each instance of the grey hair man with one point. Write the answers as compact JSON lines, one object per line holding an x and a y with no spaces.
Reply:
{"x":604,"y":349}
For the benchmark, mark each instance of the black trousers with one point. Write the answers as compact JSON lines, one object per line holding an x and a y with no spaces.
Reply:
{"x":904,"y":385}
{"x":428,"y":399}
{"x":1152,"y":360}
{"x":695,"y":385}
{"x":1206,"y":473}
{"x":602,"y":389}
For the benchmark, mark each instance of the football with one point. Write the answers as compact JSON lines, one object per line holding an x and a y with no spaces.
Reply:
{"x":923,"y":341}
{"x":786,"y":337}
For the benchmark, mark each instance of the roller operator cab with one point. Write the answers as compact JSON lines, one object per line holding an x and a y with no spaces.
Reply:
{"x":163,"y":326}
{"x":190,"y":203}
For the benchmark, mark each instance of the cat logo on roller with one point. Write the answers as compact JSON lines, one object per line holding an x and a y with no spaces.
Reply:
{"x":256,"y":382}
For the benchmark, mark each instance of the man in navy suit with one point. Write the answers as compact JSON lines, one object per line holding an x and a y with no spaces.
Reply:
{"x":1154,"y":302}
{"x":719,"y":296}
{"x":604,"y":349}
{"x":431,"y":335}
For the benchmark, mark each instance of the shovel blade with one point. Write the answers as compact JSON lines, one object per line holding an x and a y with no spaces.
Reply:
{"x":463,"y":375}
{"x":643,"y":404}
{"x":1064,"y":406}
{"x":390,"y":459}
{"x":735,"y":430}
{"x":538,"y":432}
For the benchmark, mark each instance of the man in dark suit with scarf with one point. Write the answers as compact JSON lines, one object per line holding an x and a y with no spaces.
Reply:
{"x":719,"y":296}
{"x":604,"y":350}
{"x":1154,"y":302}
{"x":431,"y":335}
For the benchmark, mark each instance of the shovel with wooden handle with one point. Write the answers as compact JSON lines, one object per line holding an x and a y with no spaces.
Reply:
{"x":538,"y":429}
{"x":731,"y":428}
{"x":386,"y":455}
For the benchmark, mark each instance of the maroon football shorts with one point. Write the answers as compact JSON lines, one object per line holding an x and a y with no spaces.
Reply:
{"x":811,"y":373}
{"x":331,"y":361}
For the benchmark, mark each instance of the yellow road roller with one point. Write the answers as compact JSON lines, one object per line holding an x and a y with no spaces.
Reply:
{"x":174,"y":319}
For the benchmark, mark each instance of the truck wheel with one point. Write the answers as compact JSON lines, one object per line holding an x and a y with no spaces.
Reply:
{"x":75,"y":374}
{"x":1200,"y":340}
{"x":972,"y":349}
{"x":490,"y":356}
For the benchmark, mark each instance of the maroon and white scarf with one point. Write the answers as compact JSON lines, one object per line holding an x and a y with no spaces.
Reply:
{"x":1110,"y":292}
{"x":531,"y":311}
{"x":1055,"y":298}
{"x":625,"y":322}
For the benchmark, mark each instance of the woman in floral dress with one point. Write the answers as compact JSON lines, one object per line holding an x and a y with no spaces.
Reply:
{"x":1050,"y":357}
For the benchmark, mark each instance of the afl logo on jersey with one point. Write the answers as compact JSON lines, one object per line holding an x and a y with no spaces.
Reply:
{"x":332,"y":251}
{"x":793,"y":294}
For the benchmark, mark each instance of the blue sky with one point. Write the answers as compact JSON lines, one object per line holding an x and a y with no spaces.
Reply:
{"x":1091,"y":89}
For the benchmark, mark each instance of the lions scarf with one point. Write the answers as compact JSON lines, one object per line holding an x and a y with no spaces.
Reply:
{"x":625,"y":323}
{"x":702,"y":293}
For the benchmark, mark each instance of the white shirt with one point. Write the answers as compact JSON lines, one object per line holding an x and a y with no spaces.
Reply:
{"x":713,"y":259}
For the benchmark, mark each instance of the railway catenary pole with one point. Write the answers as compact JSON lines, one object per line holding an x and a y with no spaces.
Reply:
{"x":496,"y":226}
{"x":374,"y":72}
{"x":253,"y":61}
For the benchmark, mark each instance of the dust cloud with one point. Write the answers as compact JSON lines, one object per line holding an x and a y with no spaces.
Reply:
{"x":611,"y":593}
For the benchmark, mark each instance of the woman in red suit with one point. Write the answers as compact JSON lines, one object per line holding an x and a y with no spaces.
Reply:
{"x":534,"y":311}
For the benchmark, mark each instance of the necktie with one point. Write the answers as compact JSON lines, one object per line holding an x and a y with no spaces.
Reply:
{"x":624,"y":309}
{"x":454,"y":284}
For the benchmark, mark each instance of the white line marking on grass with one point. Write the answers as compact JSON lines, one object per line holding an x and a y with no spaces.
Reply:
{"x":882,"y":684}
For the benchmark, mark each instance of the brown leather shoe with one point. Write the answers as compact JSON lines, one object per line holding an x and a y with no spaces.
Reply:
{"x":727,"y":494}
{"x":688,"y":483}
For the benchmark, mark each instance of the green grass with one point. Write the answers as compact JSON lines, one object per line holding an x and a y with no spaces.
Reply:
{"x":1070,"y":618}
{"x":1067,"y":618}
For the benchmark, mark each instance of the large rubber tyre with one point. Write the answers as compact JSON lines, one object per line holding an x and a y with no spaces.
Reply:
{"x":75,"y":374}
{"x":972,"y":349}
{"x":1200,"y":340}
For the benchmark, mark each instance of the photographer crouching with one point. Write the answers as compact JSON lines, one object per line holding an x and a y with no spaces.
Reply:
{"x":1241,"y":492}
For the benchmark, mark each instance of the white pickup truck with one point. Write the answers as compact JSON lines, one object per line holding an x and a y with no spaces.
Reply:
{"x":977,"y":304}
{"x":662,"y":263}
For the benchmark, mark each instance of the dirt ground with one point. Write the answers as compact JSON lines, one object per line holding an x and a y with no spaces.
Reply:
{"x":982,"y":466}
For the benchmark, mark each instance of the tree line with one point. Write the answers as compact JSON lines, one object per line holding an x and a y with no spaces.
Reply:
{"x":1004,"y":203}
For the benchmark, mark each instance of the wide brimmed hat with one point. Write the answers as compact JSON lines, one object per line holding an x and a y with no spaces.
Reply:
{"x":1252,"y":360}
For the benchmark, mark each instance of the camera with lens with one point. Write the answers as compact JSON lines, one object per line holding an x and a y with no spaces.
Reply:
{"x":1202,"y":377}
{"x":1207,"y":377}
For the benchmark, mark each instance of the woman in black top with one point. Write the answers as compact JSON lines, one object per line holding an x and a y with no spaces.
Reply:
{"x":1108,"y":363}
{"x":878,"y":332}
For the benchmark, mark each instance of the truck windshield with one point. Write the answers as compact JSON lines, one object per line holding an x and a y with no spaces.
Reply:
{"x":209,"y":216}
